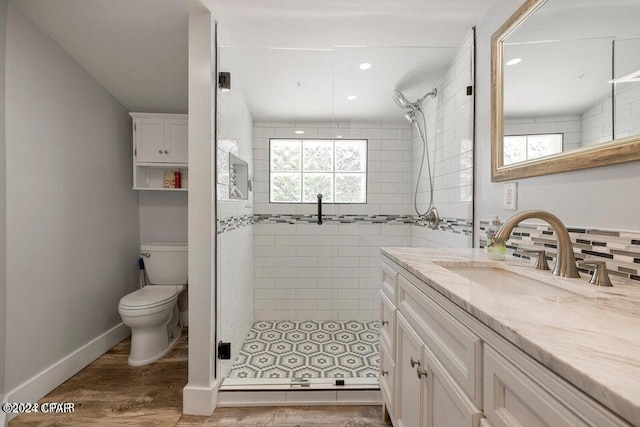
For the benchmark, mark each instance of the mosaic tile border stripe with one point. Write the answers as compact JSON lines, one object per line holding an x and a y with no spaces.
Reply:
{"x":452,"y":225}
{"x":234,"y":223}
{"x":619,"y":249}
{"x":332,"y":218}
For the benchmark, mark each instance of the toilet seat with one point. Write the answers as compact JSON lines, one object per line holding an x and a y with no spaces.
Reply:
{"x":149,"y":297}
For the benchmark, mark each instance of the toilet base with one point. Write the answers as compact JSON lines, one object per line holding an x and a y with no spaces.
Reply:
{"x":177,"y":333}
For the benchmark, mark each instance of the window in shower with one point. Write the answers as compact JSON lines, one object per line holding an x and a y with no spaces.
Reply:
{"x":519,"y":148}
{"x":300,"y":169}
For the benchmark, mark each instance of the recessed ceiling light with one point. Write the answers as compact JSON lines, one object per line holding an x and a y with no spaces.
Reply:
{"x":365,"y":66}
{"x":351,"y":97}
{"x":514,"y":61}
{"x":338,"y":136}
{"x":299,"y":132}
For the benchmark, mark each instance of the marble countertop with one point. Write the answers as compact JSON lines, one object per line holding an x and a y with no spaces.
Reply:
{"x":591,"y":338}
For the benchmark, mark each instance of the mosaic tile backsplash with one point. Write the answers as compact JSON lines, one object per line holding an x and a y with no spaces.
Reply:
{"x":453,"y":225}
{"x":619,"y":249}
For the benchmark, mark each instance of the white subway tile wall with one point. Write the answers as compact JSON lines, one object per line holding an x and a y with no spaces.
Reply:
{"x":330,"y":272}
{"x":627,"y":109}
{"x":449,"y":122}
{"x":235,"y":248}
{"x":597,"y":123}
{"x":321,"y":272}
{"x":388,"y":165}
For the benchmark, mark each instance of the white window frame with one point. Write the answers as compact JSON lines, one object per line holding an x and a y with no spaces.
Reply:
{"x":333,"y":172}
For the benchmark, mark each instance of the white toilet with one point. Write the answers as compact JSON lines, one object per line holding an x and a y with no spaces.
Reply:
{"x":152,"y":312}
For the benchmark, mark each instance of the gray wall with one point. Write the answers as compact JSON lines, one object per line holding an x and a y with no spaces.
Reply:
{"x":3,"y":188}
{"x":163,"y":216}
{"x":589,"y":198}
{"x":72,"y":218}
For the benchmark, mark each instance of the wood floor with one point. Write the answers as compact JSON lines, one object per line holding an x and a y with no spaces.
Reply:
{"x":109,"y":392}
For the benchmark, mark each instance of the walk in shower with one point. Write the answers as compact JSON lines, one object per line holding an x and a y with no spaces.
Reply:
{"x":298,"y":294}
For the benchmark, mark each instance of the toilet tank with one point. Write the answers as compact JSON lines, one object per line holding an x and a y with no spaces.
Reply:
{"x":165,"y":262}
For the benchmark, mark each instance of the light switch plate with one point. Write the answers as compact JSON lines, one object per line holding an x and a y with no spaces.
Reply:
{"x":510,"y":196}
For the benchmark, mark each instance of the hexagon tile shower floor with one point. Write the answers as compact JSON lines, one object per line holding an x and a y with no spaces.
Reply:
{"x":309,"y":349}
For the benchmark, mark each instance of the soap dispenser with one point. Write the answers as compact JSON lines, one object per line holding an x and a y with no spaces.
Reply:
{"x":495,"y":247}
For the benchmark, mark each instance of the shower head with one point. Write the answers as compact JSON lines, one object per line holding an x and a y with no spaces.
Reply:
{"x":403,"y":102}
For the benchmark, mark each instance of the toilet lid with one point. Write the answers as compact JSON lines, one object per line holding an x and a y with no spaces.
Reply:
{"x":149,"y":296}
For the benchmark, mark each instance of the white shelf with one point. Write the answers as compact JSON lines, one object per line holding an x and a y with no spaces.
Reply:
{"x":163,"y":165}
{"x":160,"y":189}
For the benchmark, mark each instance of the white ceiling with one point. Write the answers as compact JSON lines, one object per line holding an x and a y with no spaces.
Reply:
{"x":313,"y":85}
{"x":137,"y":49}
{"x":328,"y":23}
{"x":408,"y":42}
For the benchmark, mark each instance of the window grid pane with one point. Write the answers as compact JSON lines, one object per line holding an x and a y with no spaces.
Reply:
{"x":520,"y":148}
{"x":300,"y":169}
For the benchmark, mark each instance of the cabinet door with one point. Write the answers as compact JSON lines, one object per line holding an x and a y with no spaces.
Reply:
{"x":387,"y":379}
{"x":445,"y":403}
{"x":150,"y":134}
{"x":177,"y":140}
{"x":409,"y":387}
{"x":512,"y":399}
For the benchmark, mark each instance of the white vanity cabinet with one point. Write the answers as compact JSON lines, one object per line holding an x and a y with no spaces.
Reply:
{"x":160,"y":143}
{"x":451,"y":370}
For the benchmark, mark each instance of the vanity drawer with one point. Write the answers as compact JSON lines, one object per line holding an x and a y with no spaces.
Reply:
{"x":455,"y":346}
{"x":387,"y":378}
{"x":387,"y":322}
{"x":390,"y":282}
{"x":513,"y":399}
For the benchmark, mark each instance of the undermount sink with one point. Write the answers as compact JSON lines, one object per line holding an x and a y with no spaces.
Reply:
{"x":507,"y":282}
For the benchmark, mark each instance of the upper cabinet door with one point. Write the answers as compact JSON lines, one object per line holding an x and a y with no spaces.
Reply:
{"x":177,"y":140}
{"x":150,"y":135}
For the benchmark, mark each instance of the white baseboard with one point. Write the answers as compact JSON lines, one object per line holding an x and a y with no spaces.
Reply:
{"x":45,"y":381}
{"x":198,"y":400}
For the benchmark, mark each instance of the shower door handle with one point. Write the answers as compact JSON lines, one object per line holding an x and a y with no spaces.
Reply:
{"x":319,"y":209}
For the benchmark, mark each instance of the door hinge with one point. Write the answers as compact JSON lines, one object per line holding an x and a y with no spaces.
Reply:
{"x":135,"y":127}
{"x":224,"y":350}
{"x":135,"y":152}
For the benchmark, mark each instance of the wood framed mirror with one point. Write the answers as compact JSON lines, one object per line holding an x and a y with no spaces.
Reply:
{"x":565,"y":88}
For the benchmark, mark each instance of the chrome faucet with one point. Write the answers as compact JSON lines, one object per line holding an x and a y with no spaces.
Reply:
{"x":565,"y":261}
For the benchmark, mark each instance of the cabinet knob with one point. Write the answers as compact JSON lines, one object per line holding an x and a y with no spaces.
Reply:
{"x":385,"y":373}
{"x":385,"y":322}
{"x":414,"y":362}
{"x":421,"y":373}
{"x":166,"y":152}
{"x":160,"y":151}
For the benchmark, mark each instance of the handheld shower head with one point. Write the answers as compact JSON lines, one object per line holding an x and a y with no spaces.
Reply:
{"x":410,"y":116}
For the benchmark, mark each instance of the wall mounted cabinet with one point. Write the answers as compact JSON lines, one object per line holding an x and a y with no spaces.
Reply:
{"x":160,"y":144}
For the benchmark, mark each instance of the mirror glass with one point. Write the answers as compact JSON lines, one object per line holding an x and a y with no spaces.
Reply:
{"x":571,"y":78}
